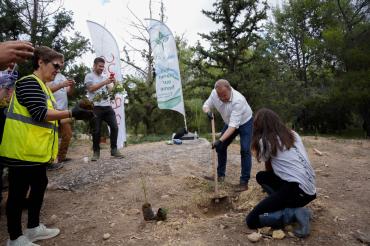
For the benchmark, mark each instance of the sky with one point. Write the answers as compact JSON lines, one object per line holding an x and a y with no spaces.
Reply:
{"x":183,"y":17}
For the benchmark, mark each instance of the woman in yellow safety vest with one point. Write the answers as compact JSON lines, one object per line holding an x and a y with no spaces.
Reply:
{"x":30,"y":142}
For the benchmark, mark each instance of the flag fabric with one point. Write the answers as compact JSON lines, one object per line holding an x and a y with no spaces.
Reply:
{"x":167,"y":72}
{"x":105,"y":46}
{"x":104,"y":1}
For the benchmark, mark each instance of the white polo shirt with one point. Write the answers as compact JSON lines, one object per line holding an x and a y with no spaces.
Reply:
{"x":235,"y":112}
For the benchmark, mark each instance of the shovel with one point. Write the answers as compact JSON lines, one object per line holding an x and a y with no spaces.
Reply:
{"x":217,"y":197}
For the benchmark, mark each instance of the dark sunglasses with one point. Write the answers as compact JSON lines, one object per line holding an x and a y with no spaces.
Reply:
{"x":57,"y":66}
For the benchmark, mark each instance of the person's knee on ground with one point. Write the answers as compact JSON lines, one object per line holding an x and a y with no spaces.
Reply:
{"x":281,"y":218}
{"x":252,"y":221}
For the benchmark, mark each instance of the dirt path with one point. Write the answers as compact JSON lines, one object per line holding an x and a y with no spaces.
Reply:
{"x":88,"y":200}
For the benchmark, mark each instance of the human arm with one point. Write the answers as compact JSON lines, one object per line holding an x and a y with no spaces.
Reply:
{"x":208,"y":104}
{"x":70,"y":88}
{"x":53,"y":114}
{"x":30,"y":95}
{"x":77,"y":112}
{"x":57,"y":86}
{"x":92,"y":87}
{"x":268,"y":165}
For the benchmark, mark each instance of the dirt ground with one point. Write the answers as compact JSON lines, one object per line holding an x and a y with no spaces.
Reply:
{"x":99,"y":203}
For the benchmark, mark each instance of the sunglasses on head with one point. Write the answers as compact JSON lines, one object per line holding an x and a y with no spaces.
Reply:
{"x":57,"y":66}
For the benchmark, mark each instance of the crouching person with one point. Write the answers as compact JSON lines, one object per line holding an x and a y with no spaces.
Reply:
{"x":289,"y":179}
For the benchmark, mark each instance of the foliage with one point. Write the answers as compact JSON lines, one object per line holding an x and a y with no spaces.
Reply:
{"x":110,"y":95}
{"x":42,"y":23}
{"x":232,"y":45}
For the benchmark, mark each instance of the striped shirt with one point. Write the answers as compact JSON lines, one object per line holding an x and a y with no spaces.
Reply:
{"x":30,"y":95}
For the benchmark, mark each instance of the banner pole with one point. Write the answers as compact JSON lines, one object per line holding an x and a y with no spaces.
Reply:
{"x":186,"y":127}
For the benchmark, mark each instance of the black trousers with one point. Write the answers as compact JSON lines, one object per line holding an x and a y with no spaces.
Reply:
{"x":22,"y":178}
{"x":285,"y":195}
{"x":104,"y":113}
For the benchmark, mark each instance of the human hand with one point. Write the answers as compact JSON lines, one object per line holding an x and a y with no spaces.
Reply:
{"x":109,"y":81}
{"x":14,"y":51}
{"x":217,"y":144}
{"x":210,"y":115}
{"x":81,"y":114}
{"x":68,"y":82}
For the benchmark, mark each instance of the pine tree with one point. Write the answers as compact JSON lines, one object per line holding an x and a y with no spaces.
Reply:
{"x":232,"y":45}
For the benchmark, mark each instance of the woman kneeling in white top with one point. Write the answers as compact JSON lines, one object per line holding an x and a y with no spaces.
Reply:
{"x":289,"y":178}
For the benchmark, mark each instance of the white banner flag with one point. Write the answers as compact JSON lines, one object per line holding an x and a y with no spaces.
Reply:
{"x":168,"y":80}
{"x":105,"y":46}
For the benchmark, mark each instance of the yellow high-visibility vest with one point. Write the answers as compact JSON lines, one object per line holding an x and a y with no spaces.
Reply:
{"x":26,"y":139}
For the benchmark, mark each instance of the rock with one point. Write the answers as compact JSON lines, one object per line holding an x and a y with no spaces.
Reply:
{"x":278,"y":234}
{"x":291,"y":234}
{"x":159,"y":222}
{"x":53,"y":219}
{"x":265,"y":230}
{"x":165,"y":197}
{"x":112,"y":224}
{"x":133,"y":211}
{"x":254,"y":237}
{"x":106,"y":236}
{"x":222,"y":226}
{"x":289,"y":228}
{"x":205,"y":210}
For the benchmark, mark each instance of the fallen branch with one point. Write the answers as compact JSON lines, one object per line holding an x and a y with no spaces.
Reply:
{"x":318,"y":152}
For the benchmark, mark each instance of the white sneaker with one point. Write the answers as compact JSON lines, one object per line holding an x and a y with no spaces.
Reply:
{"x":20,"y":241}
{"x":40,"y":233}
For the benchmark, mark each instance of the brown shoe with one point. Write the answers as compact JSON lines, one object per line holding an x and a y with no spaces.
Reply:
{"x":241,"y":187}
{"x":212,"y":178}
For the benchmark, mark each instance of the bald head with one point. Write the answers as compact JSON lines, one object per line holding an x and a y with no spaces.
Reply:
{"x":223,"y":89}
{"x":222,"y":83}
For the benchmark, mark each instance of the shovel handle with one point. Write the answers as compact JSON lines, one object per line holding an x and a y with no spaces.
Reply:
{"x":214,"y":154}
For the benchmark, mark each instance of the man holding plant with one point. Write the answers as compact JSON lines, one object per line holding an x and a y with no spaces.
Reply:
{"x":98,"y":87}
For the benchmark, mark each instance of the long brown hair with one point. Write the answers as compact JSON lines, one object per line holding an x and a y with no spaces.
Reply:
{"x":268,"y":127}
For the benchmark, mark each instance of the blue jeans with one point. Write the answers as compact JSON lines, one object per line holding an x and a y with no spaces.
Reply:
{"x":245,"y":132}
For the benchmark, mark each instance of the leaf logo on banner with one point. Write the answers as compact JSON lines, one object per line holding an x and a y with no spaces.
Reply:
{"x":161,"y":39}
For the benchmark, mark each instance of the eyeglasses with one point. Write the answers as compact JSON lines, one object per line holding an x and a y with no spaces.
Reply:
{"x":57,"y":66}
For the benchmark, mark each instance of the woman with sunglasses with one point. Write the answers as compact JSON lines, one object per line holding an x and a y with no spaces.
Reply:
{"x":30,"y":142}
{"x":289,"y":178}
